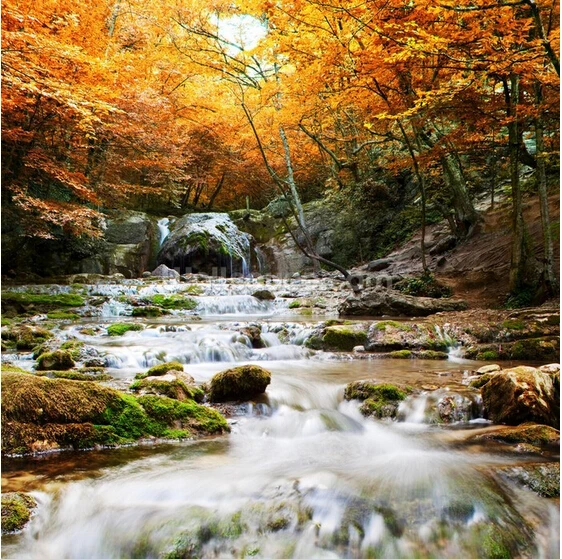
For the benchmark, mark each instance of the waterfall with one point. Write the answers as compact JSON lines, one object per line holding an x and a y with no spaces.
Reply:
{"x":164,"y":229}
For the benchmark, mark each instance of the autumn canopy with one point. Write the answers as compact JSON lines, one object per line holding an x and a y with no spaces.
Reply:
{"x":198,"y":105}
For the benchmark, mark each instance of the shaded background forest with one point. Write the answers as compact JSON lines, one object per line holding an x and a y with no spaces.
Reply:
{"x":402,"y":113}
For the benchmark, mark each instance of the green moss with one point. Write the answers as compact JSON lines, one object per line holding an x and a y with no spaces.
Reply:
{"x":9,"y":368}
{"x":480,"y":381}
{"x":16,"y":511}
{"x":194,"y":290}
{"x":401,"y":354}
{"x":294,"y":304}
{"x":58,"y":360}
{"x":172,"y":389}
{"x":362,"y":390}
{"x":66,"y":413}
{"x":384,"y":324}
{"x":343,"y":338}
{"x":163,"y":368}
{"x":430,"y":354}
{"x":60,"y":300}
{"x":314,"y":342}
{"x":487,"y":356}
{"x":164,"y":411}
{"x":120,"y":328}
{"x":26,"y":337}
{"x":149,"y":311}
{"x":74,"y":375}
{"x":62,"y":315}
{"x":239,"y":383}
{"x":540,"y":349}
{"x":177,"y":302}
{"x":511,"y":324}
{"x":74,"y":347}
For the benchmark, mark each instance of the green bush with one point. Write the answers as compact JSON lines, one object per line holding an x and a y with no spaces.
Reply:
{"x":424,"y":285}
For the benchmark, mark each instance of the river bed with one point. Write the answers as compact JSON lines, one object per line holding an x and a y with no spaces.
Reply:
{"x":302,"y":474}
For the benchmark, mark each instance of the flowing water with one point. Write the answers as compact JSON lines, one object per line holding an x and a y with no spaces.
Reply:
{"x":302,"y":475}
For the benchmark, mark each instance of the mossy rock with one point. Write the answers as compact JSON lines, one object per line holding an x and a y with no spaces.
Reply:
{"x":173,"y":302}
{"x":43,"y":300}
{"x":162,"y":369}
{"x":148,"y":311}
{"x":26,"y":337}
{"x":379,"y":400}
{"x":529,"y":434}
{"x":385,"y":324}
{"x":400,"y":354}
{"x":74,"y":347}
{"x":170,"y":387}
{"x":58,"y":360}
{"x":432,"y":355}
{"x":121,"y":328}
{"x":62,"y":315}
{"x":8,"y":367}
{"x":76,"y":375}
{"x":343,"y":338}
{"x":263,"y":295}
{"x":239,"y":383}
{"x":539,"y":349}
{"x":40,"y":414}
{"x":543,"y":479}
{"x":16,"y":511}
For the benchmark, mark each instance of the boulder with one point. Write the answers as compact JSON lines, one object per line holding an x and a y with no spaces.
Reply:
{"x":528,"y":434}
{"x":380,"y":264}
{"x":16,"y":511}
{"x":163,"y":271}
{"x":379,"y":400}
{"x":58,"y":360}
{"x":522,"y":394}
{"x":254,"y":335}
{"x":128,"y":228}
{"x":239,"y":383}
{"x":263,"y":295}
{"x":207,"y":243}
{"x":543,"y":479}
{"x":379,"y":301}
{"x":176,"y":385}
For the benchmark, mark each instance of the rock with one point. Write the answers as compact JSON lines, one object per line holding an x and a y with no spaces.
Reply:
{"x":16,"y":511}
{"x":538,"y":436}
{"x":359,"y":349}
{"x":24,"y":336}
{"x":379,"y":301}
{"x":162,"y":369}
{"x":444,"y":245}
{"x":163,"y":271}
{"x":543,"y":479}
{"x":128,"y":228}
{"x":515,"y":396}
{"x":527,"y":349}
{"x":146,"y":274}
{"x":254,"y":335}
{"x":239,"y":383}
{"x":41,"y":414}
{"x":58,"y":360}
{"x":379,"y":400}
{"x":176,"y":385}
{"x":380,"y":264}
{"x":263,"y":295}
{"x":488,"y":369}
{"x":550,"y":369}
{"x":343,"y":337}
{"x":209,"y":243}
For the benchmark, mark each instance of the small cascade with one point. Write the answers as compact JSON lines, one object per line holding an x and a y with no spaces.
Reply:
{"x":114,"y":308}
{"x":163,"y":229}
{"x":236,"y":304}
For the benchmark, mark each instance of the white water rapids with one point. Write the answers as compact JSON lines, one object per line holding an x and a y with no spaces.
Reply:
{"x":302,"y":475}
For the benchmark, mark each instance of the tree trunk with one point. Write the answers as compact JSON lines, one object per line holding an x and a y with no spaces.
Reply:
{"x":519,"y":252}
{"x":548,"y":274}
{"x":466,"y":215}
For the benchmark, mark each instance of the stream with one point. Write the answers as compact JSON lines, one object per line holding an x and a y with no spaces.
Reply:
{"x":302,"y":474}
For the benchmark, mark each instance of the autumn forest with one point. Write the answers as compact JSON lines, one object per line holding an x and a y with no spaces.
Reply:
{"x":200,"y":105}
